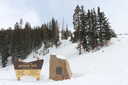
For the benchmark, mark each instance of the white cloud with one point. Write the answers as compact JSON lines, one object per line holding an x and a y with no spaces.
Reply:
{"x":9,"y":14}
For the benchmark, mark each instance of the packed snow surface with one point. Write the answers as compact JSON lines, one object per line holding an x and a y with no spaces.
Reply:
{"x":108,"y":66}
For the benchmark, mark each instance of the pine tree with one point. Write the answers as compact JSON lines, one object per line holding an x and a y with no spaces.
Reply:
{"x":65,"y":34}
{"x":68,"y":32}
{"x":76,"y":17}
{"x":105,"y":32}
{"x":82,"y":30}
{"x":93,"y":30}
{"x":55,"y":32}
{"x":76,"y":22}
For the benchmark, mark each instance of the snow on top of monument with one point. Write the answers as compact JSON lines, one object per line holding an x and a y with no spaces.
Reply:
{"x":59,"y":56}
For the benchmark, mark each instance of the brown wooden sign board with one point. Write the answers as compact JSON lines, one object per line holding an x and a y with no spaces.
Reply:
{"x":28,"y":65}
{"x":28,"y":68}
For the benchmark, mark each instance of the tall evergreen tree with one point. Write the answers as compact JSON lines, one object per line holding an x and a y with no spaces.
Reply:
{"x":76,"y":22}
{"x":54,"y":32}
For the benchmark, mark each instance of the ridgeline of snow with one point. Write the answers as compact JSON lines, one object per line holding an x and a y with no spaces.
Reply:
{"x":108,"y":66}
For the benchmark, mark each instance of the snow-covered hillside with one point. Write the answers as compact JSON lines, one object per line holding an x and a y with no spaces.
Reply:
{"x":107,"y":66}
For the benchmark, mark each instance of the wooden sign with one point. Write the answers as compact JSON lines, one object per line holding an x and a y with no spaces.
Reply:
{"x":28,"y":68}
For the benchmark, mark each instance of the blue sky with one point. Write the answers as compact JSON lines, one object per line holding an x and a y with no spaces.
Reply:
{"x":40,"y":11}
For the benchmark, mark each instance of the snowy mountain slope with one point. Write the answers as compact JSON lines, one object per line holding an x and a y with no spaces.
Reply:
{"x":107,"y":66}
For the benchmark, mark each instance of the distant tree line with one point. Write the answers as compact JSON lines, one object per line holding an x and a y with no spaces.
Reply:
{"x":21,"y":41}
{"x":92,"y":28}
